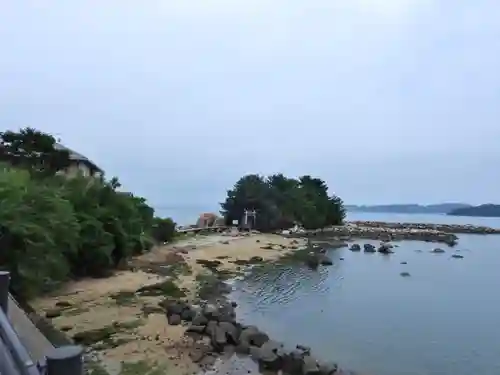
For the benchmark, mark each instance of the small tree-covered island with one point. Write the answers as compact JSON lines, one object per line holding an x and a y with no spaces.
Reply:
{"x":281,"y":202}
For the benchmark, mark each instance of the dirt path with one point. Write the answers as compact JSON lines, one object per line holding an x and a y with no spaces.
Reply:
{"x":125,"y":326}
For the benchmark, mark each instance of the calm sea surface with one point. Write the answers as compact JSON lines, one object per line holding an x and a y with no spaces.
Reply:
{"x":444,"y":319}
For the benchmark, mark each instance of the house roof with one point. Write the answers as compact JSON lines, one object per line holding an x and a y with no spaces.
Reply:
{"x":75,"y":156}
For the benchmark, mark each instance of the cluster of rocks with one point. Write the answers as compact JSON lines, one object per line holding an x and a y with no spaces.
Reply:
{"x":353,"y":230}
{"x":384,"y":248}
{"x":214,"y":328}
{"x":447,"y":228}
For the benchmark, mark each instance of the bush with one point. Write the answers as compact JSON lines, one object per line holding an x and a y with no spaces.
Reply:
{"x":163,"y":229}
{"x":39,"y":232}
{"x":53,"y":228}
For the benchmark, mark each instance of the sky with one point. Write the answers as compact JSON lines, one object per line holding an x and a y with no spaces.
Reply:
{"x":389,"y":101}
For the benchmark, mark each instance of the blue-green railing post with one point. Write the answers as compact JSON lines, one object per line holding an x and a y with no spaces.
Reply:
{"x":66,"y":360}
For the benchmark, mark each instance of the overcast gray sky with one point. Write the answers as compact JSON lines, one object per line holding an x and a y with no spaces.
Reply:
{"x":387,"y":100}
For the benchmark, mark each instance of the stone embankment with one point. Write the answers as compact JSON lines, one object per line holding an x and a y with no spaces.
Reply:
{"x":447,"y":228}
{"x":382,"y":233}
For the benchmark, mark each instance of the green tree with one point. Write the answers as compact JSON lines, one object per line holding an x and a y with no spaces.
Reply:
{"x":33,"y":150}
{"x":54,"y":228}
{"x":281,"y":201}
{"x":39,"y":232}
{"x":163,"y":229}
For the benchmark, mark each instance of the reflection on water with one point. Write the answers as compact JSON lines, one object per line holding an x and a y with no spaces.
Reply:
{"x":363,"y":314}
{"x":281,"y":285}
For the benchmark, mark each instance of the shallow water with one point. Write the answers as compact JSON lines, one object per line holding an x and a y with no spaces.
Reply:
{"x":443,"y":319}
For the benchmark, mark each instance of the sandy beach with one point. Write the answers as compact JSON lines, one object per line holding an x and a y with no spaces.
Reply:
{"x":132,"y":328}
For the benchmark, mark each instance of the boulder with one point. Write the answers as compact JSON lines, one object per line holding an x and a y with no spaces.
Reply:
{"x":385,"y":248}
{"x":369,"y":248}
{"x":312,"y":261}
{"x":173,"y":307}
{"x":195,"y":329}
{"x":211,"y":312}
{"x":53,"y":313}
{"x":188,"y":314}
{"x":252,"y":336}
{"x":310,"y":366}
{"x":328,"y":368}
{"x":270,"y":355}
{"x":437,"y":250}
{"x":198,"y":351}
{"x":355,"y":247}
{"x":243,"y":347}
{"x":210,"y":328}
{"x":292,"y":363}
{"x":324,"y":260}
{"x":218,"y":338}
{"x":227,"y":313}
{"x":200,"y":320}
{"x":231,"y":331}
{"x":174,"y":319}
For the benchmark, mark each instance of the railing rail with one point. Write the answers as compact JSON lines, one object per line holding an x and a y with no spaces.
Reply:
{"x":15,"y":359}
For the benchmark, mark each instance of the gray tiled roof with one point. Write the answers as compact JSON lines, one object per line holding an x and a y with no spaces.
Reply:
{"x":73,"y":155}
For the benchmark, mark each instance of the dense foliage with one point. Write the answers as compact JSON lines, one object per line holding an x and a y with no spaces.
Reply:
{"x":280,"y":202}
{"x":53,"y":227}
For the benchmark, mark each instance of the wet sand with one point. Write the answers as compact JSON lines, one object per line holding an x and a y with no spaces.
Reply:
{"x":140,"y":329}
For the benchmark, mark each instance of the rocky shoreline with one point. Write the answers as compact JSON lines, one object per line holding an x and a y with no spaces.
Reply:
{"x":212,"y":324}
{"x":172,"y":305}
{"x":215,"y":330}
{"x":351,"y":231}
{"x":446,"y":228}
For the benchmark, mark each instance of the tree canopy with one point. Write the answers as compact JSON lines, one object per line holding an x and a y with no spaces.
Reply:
{"x":53,"y":228}
{"x":281,"y":202}
{"x":33,"y":150}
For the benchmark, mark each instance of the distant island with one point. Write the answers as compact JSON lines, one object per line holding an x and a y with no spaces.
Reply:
{"x":442,"y":208}
{"x":486,"y":210}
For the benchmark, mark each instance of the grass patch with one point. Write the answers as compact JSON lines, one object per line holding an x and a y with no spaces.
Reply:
{"x":95,"y":368}
{"x":106,"y":333}
{"x":124,"y":298}
{"x":76,"y":310}
{"x":300,"y":255}
{"x":178,"y":269}
{"x":210,"y":285}
{"x":165,"y":288}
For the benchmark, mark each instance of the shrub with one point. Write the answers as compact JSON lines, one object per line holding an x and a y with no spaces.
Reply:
{"x":163,"y":229}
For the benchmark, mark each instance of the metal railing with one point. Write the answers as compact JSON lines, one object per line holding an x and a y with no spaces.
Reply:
{"x":15,"y":359}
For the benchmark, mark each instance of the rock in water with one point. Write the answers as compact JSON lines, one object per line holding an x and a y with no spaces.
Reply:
{"x":437,"y":250}
{"x":324,"y":260}
{"x":355,"y":247}
{"x":385,"y":249}
{"x":369,"y":248}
